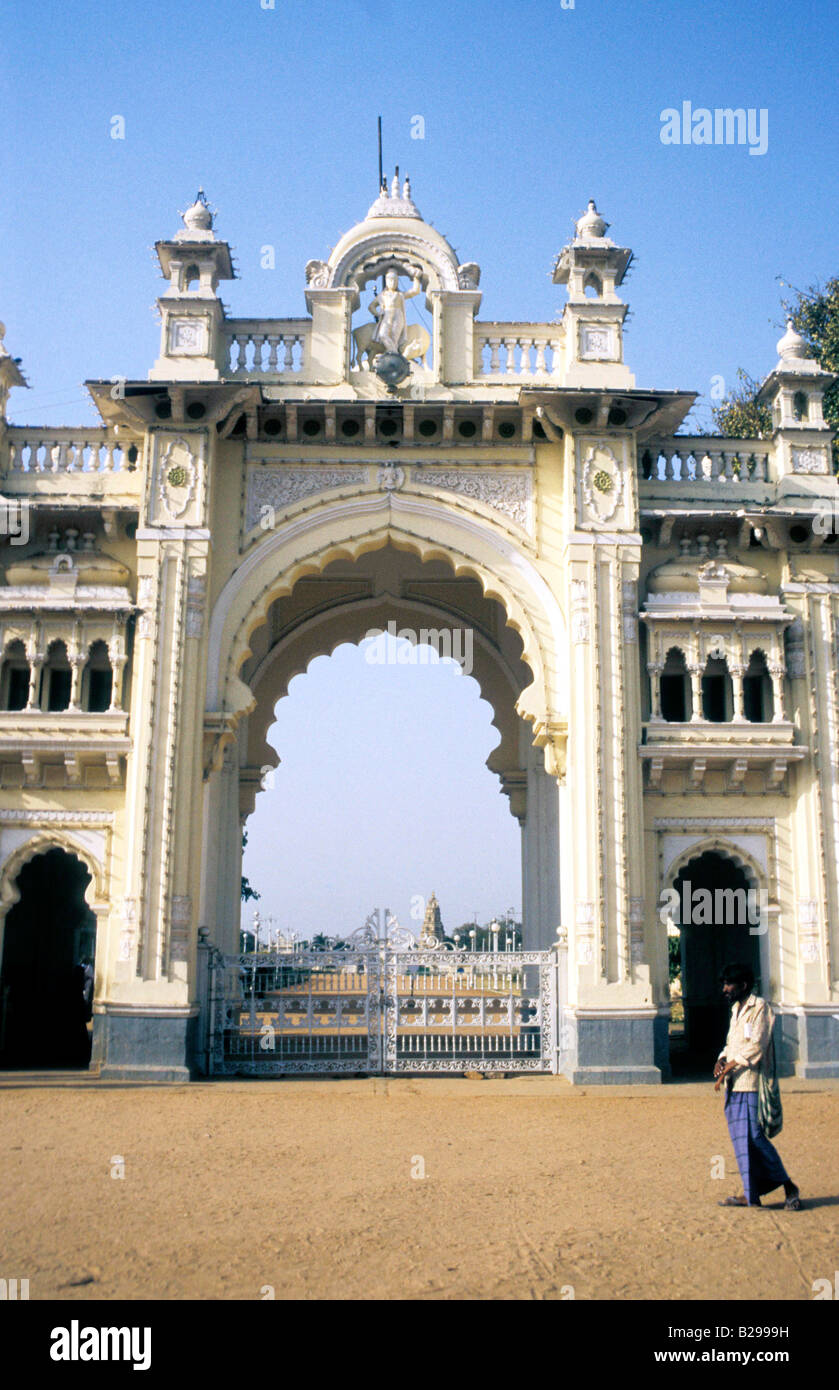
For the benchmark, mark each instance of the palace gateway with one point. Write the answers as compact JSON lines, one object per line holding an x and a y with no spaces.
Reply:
{"x":653,"y":617}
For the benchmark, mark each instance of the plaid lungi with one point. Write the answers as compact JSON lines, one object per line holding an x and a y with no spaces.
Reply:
{"x":759,"y":1161}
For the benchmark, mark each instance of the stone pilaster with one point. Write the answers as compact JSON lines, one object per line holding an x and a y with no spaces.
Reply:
{"x":610,"y":1012}
{"x":148,"y":1004}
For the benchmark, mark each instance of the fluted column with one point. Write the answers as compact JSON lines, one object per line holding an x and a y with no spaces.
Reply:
{"x":776,"y":674}
{"x":696,"y":693}
{"x":76,"y":667}
{"x":655,"y":669}
{"x":737,"y":673}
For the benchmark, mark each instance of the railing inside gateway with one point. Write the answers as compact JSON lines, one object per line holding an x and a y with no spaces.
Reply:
{"x":705,"y":459}
{"x":267,"y":347}
{"x":381,"y":1003}
{"x":516,"y":349}
{"x":33,"y":450}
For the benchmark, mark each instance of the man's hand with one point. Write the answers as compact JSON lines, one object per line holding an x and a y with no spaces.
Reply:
{"x":718,"y":1068}
{"x":723,"y":1073}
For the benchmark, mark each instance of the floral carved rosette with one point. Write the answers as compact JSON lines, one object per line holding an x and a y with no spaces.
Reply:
{"x":603,"y":483}
{"x":178,"y":477}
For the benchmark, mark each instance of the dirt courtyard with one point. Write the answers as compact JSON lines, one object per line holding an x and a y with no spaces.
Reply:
{"x":405,"y":1188}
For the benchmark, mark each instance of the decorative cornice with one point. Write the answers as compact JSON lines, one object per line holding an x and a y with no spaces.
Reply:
{"x":714,"y":823}
{"x":20,"y":817}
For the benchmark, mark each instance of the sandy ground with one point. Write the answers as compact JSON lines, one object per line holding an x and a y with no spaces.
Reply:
{"x":531,"y":1189}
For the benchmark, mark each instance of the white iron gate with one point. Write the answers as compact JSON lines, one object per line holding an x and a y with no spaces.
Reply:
{"x":381,"y":1004}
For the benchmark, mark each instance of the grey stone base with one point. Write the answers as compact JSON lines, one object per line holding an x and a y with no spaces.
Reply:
{"x":142,"y":1045}
{"x":618,"y":1050}
{"x":818,"y":1044}
{"x":661,"y":1045}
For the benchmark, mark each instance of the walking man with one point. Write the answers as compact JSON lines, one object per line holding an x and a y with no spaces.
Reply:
{"x":738,"y":1068}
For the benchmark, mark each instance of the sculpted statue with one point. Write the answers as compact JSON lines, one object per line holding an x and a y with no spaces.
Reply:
{"x":388,"y":306}
{"x":391,"y":332}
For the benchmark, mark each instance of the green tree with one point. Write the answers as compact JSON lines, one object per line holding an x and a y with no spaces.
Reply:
{"x":247,"y":891}
{"x":815,"y":315}
{"x":674,"y":957}
{"x":741,"y":415}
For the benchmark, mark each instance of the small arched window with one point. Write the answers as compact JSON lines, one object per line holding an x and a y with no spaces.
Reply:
{"x":675,"y":688}
{"x":192,"y":277}
{"x":593,"y":286}
{"x":758,"y":700}
{"x":97,"y":680}
{"x":57,"y":679}
{"x":717,"y":693}
{"x":14,"y":680}
{"x":800,"y":406}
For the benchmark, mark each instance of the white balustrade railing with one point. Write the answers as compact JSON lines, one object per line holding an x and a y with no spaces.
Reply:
{"x":267,"y":347}
{"x":705,"y":459}
{"x":516,"y":349}
{"x":34,"y":450}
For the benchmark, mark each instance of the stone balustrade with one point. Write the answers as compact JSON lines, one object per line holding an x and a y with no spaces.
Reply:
{"x":516,"y":349}
{"x":267,"y":347}
{"x":37,"y":450}
{"x":705,"y":459}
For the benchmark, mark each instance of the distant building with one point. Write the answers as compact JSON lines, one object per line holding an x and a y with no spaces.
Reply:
{"x":432,"y":924}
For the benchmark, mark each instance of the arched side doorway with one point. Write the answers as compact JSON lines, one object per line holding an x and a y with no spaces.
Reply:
{"x":717,"y":917}
{"x":46,"y":978}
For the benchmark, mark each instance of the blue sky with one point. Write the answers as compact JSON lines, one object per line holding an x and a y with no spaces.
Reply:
{"x":529,"y":110}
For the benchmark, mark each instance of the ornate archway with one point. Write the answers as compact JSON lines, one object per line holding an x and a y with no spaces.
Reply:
{"x":299,"y":611}
{"x":51,"y":903}
{"x":462,"y":537}
{"x":720,"y":908}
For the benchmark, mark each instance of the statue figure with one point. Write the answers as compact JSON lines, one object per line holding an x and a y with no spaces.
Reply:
{"x":389,"y":308}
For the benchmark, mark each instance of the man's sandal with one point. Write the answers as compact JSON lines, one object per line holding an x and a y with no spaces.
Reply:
{"x":793,"y":1203}
{"x":733,"y":1202}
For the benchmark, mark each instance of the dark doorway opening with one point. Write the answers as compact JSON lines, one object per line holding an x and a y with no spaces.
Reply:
{"x":46,"y":983}
{"x":719,"y":919}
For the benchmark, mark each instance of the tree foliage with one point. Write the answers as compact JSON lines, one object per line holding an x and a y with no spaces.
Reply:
{"x":815,"y":315}
{"x":741,"y":415}
{"x":247,"y":891}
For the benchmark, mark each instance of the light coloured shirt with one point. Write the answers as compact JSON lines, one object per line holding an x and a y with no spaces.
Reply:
{"x":749,"y":1034}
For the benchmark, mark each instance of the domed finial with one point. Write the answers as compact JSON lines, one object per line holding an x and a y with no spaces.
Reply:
{"x":406,"y":187}
{"x":792,"y":346}
{"x":198,"y":217}
{"x":591,"y":224}
{"x":197,"y":220}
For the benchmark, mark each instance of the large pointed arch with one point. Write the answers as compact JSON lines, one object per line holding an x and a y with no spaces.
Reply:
{"x":347,"y":529}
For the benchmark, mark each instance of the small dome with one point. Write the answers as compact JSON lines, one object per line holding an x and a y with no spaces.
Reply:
{"x":57,"y":566}
{"x":591,"y":224}
{"x":394,"y":202}
{"x":198,"y":217}
{"x":684,"y":573}
{"x":792,"y":345}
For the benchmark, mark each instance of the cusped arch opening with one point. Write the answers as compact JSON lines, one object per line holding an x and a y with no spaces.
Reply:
{"x":49,"y":948}
{"x":387,"y":590}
